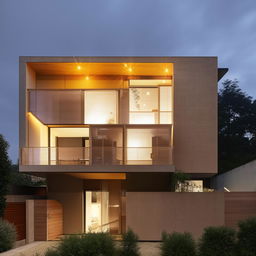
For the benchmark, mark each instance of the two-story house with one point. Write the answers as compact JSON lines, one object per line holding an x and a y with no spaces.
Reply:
{"x":106,"y":130}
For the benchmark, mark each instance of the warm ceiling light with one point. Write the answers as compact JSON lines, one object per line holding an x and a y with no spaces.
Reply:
{"x":164,"y":81}
{"x":166,"y":70}
{"x":79,"y":67}
{"x":148,"y":93}
{"x":130,"y":69}
{"x":87,"y":78}
{"x":125,"y":65}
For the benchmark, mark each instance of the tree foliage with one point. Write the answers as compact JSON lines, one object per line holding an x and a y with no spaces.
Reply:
{"x":5,"y":167}
{"x":236,"y":126}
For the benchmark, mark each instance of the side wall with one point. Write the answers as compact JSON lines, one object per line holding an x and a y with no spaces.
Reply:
{"x":241,"y":179}
{"x":69,"y":192}
{"x":195,"y":114}
{"x":151,"y":213}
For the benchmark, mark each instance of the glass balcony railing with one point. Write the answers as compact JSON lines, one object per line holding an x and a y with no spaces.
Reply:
{"x":161,"y":155}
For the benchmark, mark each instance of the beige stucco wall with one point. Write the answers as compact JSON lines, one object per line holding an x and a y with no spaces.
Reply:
{"x":150,"y":213}
{"x":69,"y":192}
{"x":195,"y":115}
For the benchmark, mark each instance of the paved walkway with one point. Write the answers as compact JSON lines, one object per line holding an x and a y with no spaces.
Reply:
{"x":39,"y":249}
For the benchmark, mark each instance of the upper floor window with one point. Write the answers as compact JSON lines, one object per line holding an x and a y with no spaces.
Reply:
{"x":151,"y":104}
{"x":100,"y":107}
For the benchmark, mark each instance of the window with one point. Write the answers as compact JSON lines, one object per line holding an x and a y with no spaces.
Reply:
{"x":100,"y":107}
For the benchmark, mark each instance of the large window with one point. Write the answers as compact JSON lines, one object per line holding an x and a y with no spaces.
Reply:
{"x":100,"y":107}
{"x":150,"y":105}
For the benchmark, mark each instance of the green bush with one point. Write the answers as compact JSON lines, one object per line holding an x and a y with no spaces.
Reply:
{"x":246,"y":244}
{"x":178,"y":244}
{"x":91,"y":244}
{"x":7,"y":235}
{"x":217,"y":241}
{"x":130,"y":244}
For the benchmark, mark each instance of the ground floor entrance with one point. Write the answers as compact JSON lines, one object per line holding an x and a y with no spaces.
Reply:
{"x":105,"y":207}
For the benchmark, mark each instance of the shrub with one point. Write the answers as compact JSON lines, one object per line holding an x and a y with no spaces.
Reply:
{"x":217,"y":241}
{"x":246,"y":245}
{"x":178,"y":244}
{"x":51,"y":252}
{"x":7,"y":235}
{"x":130,"y":244}
{"x":93,"y":244}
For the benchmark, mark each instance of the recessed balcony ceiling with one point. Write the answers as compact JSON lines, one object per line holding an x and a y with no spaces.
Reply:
{"x":134,"y":69}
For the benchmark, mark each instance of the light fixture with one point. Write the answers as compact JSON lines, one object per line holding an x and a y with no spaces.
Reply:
{"x":125,"y":65}
{"x":130,"y":69}
{"x":226,"y":189}
{"x":78,"y":67}
{"x":164,"y":81}
{"x":87,"y":78}
{"x":147,"y":93}
{"x":166,"y":70}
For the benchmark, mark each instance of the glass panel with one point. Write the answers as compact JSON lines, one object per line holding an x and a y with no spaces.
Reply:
{"x":165,"y":117}
{"x":148,"y":146}
{"x":107,"y":145}
{"x":57,"y":107}
{"x":100,"y":107}
{"x":143,"y":105}
{"x":165,"y":98}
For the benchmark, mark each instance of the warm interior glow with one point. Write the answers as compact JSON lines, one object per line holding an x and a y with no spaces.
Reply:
{"x":79,"y":67}
{"x":130,"y":69}
{"x":100,"y":107}
{"x":149,"y":82}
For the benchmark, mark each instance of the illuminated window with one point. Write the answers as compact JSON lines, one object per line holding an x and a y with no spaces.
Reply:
{"x":100,"y":107}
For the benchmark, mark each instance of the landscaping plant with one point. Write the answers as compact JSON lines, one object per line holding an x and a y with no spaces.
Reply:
{"x":7,"y":235}
{"x":217,"y":241}
{"x":246,"y":244}
{"x":130,"y":244}
{"x":91,"y":244}
{"x":178,"y":244}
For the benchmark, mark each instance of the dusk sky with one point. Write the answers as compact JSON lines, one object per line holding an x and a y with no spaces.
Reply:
{"x":223,"y":28}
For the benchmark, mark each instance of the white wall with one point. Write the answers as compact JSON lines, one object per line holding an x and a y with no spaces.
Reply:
{"x":241,"y":179}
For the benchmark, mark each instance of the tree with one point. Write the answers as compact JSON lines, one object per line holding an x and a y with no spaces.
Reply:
{"x":5,"y":167}
{"x":236,"y":127}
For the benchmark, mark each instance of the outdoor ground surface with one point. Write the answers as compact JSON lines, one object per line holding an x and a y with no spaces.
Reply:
{"x":39,"y":248}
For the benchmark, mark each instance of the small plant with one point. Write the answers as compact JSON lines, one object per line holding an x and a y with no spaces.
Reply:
{"x":217,"y":241}
{"x":130,"y":244}
{"x":178,"y":244}
{"x":246,"y":244}
{"x":179,"y":181}
{"x":7,"y":235}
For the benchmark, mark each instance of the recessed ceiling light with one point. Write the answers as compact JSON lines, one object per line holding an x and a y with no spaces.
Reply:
{"x":148,"y":93}
{"x":79,"y":67}
{"x":130,"y":69}
{"x":87,"y":78}
{"x":125,"y":65}
{"x":166,"y":70}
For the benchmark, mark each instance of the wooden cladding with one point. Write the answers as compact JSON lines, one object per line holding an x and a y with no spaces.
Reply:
{"x":48,"y":220}
{"x":239,"y":206}
{"x":15,"y":213}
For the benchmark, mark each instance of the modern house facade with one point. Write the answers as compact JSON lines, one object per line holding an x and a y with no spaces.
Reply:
{"x":109,"y":132}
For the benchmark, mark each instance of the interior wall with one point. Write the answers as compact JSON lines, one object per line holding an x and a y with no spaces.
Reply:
{"x":37,"y":142}
{"x":68,"y":191}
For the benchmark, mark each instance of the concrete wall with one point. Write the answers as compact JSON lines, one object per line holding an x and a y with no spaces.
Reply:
{"x":239,"y":179}
{"x":195,"y":115}
{"x":69,"y":192}
{"x":151,"y":213}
